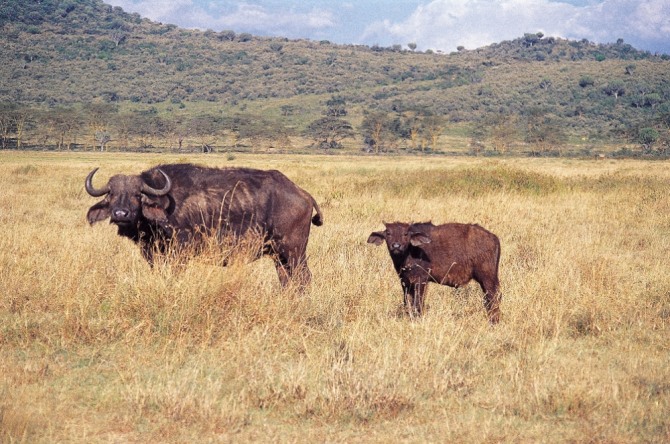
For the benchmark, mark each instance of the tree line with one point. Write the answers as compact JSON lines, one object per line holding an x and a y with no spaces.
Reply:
{"x":103,"y":126}
{"x":100,"y":126}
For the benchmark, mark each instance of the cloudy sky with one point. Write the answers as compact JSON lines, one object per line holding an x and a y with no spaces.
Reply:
{"x":437,"y":24}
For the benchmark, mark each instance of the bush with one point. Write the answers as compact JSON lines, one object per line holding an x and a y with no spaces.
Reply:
{"x":586,"y":81}
{"x":647,"y":137}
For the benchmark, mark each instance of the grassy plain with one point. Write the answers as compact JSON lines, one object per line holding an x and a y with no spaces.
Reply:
{"x":97,"y":347}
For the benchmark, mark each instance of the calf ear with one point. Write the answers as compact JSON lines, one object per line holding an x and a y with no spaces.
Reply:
{"x":153,"y":208}
{"x":98,"y":212}
{"x":418,"y":239}
{"x":376,"y":238}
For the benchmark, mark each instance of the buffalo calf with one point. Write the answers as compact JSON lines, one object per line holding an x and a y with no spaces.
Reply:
{"x":451,"y":254}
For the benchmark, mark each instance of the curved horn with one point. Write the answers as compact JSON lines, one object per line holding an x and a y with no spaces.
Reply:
{"x":146,"y":189}
{"x":89,"y":186}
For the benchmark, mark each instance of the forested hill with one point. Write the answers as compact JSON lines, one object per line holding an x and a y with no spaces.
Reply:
{"x":67,"y":53}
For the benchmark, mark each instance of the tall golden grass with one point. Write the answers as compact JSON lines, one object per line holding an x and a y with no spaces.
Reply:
{"x":95,"y":346}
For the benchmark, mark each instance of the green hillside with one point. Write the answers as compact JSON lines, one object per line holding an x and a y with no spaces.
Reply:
{"x":82,"y":72}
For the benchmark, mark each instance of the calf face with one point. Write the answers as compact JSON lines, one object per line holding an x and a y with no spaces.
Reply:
{"x":398,"y":237}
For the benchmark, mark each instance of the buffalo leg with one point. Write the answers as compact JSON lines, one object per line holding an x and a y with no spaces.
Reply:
{"x":150,"y":250}
{"x":491,"y":299}
{"x":148,"y":253}
{"x":492,"y":305}
{"x":290,"y":255}
{"x":282,"y":272}
{"x":293,"y":270}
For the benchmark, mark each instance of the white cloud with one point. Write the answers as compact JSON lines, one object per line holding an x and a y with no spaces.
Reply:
{"x":285,"y":23}
{"x":447,"y":24}
{"x":157,"y":10}
{"x":434,"y":24}
{"x":652,"y":19}
{"x":243,"y":16}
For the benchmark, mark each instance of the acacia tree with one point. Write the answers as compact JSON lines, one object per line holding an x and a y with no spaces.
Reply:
{"x":148,"y":129}
{"x":177,"y":130}
{"x":413,"y":126}
{"x":434,"y":126}
{"x":540,"y":131}
{"x":287,"y":110}
{"x":13,"y":122}
{"x":103,"y":138}
{"x":503,"y":132}
{"x":6,"y":124}
{"x":118,"y":36}
{"x":336,"y":106}
{"x":329,"y":132}
{"x":20,"y":118}
{"x":654,"y":138}
{"x":530,"y":40}
{"x":62,"y":122}
{"x":257,"y":130}
{"x":374,"y":129}
{"x":647,"y":137}
{"x":99,"y":116}
{"x":615,"y":88}
{"x":205,"y":128}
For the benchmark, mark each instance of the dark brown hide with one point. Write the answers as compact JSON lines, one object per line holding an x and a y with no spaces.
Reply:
{"x":229,"y":202}
{"x":451,"y":254}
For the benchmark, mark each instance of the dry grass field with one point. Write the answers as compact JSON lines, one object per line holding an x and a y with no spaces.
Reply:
{"x":95,"y":346}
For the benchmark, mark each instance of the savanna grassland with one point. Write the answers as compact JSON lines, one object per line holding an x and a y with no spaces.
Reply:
{"x":95,"y":346}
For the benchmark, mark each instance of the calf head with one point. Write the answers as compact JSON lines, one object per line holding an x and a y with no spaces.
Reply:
{"x":399,"y":237}
{"x":126,"y":199}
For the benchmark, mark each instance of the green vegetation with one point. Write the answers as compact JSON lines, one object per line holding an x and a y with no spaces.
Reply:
{"x":166,"y":87}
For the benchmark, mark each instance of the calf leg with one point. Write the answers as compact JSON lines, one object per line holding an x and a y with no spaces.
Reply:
{"x":413,"y":296}
{"x":419,"y":295}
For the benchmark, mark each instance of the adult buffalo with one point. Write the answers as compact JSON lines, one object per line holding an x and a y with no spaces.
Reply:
{"x":186,"y":204}
{"x":450,"y":254}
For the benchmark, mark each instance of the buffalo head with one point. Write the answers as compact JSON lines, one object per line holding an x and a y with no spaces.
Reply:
{"x":399,"y":236}
{"x":127,"y":198}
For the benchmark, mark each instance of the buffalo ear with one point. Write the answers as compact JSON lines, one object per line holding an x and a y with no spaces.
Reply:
{"x":418,"y":239}
{"x":153,"y":208}
{"x":377,"y":238}
{"x":98,"y":212}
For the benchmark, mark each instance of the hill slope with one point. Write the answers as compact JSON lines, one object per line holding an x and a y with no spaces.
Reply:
{"x":65,"y":53}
